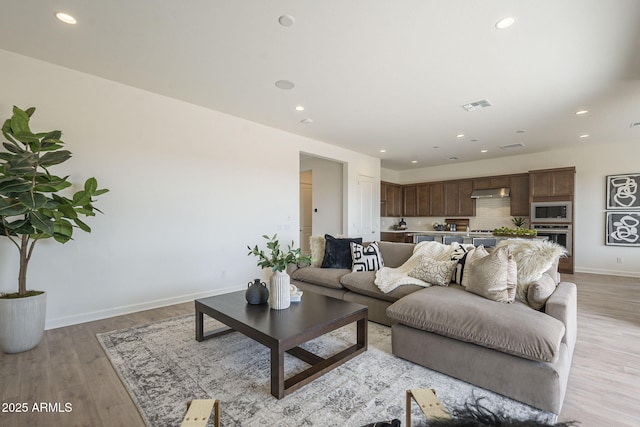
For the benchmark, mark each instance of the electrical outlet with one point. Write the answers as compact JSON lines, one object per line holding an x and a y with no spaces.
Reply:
{"x":619,"y":260}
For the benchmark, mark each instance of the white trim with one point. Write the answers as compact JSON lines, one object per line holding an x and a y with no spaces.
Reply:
{"x":128,"y":309}
{"x":607,"y":272}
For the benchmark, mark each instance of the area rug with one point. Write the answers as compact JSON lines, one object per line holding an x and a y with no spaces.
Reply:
{"x":163,"y":367}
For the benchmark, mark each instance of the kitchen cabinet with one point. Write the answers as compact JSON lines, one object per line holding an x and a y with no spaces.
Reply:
{"x":423,"y":200}
{"x":457,"y":198}
{"x":409,"y":200}
{"x":391,"y":199}
{"x":552,"y":182}
{"x":519,"y":197}
{"x":436,"y":199}
{"x":396,"y":237}
{"x":491,"y":182}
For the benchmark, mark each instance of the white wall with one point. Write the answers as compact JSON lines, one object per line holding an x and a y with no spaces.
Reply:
{"x":327,"y":186}
{"x":593,"y":163}
{"x":190,"y":188}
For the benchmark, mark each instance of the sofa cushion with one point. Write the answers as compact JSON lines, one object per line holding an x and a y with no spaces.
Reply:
{"x":362,"y":283}
{"x":337,"y":253}
{"x":510,"y":328}
{"x":366,"y":258}
{"x":493,"y":276}
{"x":433,"y":271}
{"x":328,"y":277}
{"x":395,"y":254}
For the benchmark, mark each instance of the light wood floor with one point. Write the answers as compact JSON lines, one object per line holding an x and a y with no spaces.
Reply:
{"x":69,"y":365}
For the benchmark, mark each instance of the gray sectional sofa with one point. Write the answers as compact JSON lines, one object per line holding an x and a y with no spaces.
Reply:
{"x":512,"y":349}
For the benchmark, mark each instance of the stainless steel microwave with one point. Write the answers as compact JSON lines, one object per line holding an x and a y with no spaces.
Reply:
{"x":550,"y":212}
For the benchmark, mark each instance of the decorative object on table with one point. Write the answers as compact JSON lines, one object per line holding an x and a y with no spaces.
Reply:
{"x":514,"y":232}
{"x":257,"y":292}
{"x":518,"y":221}
{"x":439,"y":226}
{"x":622,"y":224}
{"x":277,"y":261}
{"x":402,"y":224}
{"x":295,"y":294}
{"x":33,"y":207}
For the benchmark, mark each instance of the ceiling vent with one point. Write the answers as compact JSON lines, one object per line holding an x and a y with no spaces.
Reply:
{"x":510,"y":146}
{"x":478,"y":105}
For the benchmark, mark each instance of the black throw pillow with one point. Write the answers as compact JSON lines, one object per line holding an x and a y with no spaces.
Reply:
{"x":337,"y":252}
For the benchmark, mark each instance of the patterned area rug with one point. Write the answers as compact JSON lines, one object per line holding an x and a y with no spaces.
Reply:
{"x":163,"y":367}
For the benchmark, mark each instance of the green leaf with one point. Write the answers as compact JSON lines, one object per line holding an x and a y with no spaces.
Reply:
{"x":81,"y":198}
{"x":13,"y":147}
{"x":68,"y":211}
{"x":26,"y":137}
{"x":19,"y":121}
{"x":53,"y":137}
{"x":11,"y":207}
{"x":33,"y":200}
{"x":14,"y":185}
{"x":90,"y":186}
{"x":62,"y":227}
{"x":82,"y":225}
{"x":30,"y":111}
{"x":41,"y":223}
{"x":55,"y":157}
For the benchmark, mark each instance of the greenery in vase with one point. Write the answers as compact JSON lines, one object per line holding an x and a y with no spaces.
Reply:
{"x":33,"y":206}
{"x":278,"y":260}
{"x":515,"y":232}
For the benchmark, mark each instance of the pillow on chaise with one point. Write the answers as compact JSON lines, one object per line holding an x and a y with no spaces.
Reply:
{"x":337,"y":253}
{"x":489,"y":276}
{"x":366,"y":258}
{"x":433,"y":271}
{"x":539,"y":291}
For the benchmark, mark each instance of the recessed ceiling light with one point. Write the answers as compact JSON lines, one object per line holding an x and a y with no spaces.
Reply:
{"x":306,"y":121}
{"x":383,"y":151}
{"x":285,"y":84}
{"x":414,"y":161}
{"x":474,"y":140}
{"x":436,"y":146}
{"x":299,"y":108}
{"x":584,"y":135}
{"x":520,"y":131}
{"x":460,"y":135}
{"x":454,"y":158}
{"x":483,"y":151}
{"x":505,"y":22}
{"x":636,"y":124}
{"x":66,"y":18}
{"x":286,"y":20}
{"x":581,"y":112}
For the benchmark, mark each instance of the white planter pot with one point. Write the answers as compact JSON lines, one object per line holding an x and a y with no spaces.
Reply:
{"x":279,"y":293}
{"x":22,"y":322}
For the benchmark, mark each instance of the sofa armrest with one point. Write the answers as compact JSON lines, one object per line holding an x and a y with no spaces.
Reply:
{"x":563,"y":305}
{"x":293,"y":267}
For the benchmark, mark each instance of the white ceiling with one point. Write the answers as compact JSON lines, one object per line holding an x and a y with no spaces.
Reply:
{"x":371,"y":74}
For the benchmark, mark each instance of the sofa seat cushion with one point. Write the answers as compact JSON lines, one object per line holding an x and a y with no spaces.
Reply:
{"x":510,"y":328}
{"x":362,"y":283}
{"x":328,"y":277}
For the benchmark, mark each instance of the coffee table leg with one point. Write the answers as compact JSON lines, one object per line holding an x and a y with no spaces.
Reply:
{"x":277,"y":372}
{"x":362,"y":332}
{"x":199,"y":325}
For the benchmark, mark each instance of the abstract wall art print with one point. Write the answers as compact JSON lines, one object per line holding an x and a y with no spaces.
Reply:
{"x":623,"y":228}
{"x":623,"y":192}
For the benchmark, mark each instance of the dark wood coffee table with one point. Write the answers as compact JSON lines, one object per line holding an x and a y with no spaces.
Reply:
{"x":284,"y":330}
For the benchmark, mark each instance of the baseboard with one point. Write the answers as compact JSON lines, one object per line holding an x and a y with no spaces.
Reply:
{"x":128,"y":309}
{"x":607,"y":272}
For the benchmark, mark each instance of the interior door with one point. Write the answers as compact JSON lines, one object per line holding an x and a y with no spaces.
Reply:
{"x":306,"y":207}
{"x":366,"y":220}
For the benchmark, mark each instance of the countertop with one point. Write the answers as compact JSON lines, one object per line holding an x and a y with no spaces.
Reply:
{"x":439,"y":233}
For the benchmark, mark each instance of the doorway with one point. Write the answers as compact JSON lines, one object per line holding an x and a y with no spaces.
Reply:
{"x":306,"y":206}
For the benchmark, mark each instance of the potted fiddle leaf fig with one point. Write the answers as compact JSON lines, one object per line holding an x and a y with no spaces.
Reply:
{"x":34,"y":206}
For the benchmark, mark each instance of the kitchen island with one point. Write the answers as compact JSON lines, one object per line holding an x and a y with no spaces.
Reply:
{"x":409,"y":236}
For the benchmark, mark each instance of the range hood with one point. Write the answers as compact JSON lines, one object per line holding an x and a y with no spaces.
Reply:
{"x":489,"y":193}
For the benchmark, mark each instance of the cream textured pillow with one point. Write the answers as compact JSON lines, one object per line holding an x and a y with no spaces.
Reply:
{"x":488,"y":276}
{"x":317,"y":244}
{"x":434,"y":272}
{"x":472,"y":255}
{"x":539,"y":291}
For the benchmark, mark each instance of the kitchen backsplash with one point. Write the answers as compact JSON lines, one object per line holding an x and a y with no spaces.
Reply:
{"x":490,"y":213}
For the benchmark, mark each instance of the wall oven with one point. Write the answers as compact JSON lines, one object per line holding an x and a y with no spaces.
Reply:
{"x":556,"y":233}
{"x":551,"y":212}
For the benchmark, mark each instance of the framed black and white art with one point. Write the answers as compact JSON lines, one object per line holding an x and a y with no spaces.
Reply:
{"x":623,"y":192}
{"x":623,"y":228}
